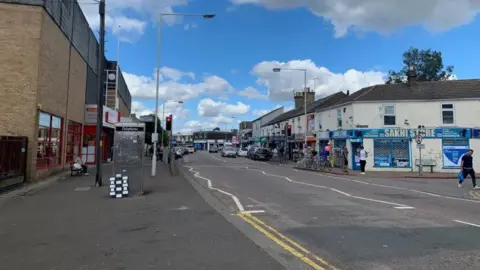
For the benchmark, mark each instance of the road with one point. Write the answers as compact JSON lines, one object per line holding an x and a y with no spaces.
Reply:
{"x":337,"y":222}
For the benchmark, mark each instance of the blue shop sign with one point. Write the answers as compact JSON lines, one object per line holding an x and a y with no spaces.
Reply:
{"x":476,"y":133}
{"x":339,"y":134}
{"x":412,"y":133}
{"x":325,"y":135}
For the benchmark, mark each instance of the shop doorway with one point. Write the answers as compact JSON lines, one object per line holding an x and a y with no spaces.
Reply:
{"x":356,"y":155}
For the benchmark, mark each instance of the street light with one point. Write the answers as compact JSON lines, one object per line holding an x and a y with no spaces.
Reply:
{"x":160,"y":18}
{"x":304,"y":95}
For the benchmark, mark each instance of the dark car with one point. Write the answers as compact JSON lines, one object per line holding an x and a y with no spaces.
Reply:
{"x":251,"y":151}
{"x":262,"y":154}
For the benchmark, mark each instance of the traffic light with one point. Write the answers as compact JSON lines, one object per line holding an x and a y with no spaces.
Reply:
{"x":169,"y":123}
{"x":289,"y":130}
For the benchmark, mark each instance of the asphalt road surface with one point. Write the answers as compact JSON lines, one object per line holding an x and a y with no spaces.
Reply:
{"x":337,"y":222}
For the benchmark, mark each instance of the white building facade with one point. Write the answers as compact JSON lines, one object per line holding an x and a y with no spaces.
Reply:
{"x":445,"y":114}
{"x":258,"y":136}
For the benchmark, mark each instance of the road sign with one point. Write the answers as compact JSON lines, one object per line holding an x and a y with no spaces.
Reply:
{"x":420,"y":146}
{"x":419,"y":139}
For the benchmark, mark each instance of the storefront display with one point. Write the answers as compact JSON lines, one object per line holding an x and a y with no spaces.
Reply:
{"x":49,"y":141}
{"x":453,"y":150}
{"x":391,"y":153}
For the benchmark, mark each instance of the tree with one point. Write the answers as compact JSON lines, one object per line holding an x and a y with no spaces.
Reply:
{"x":150,"y":128}
{"x":428,"y":65}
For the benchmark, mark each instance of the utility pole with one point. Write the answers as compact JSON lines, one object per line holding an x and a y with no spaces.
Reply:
{"x":100,"y":71}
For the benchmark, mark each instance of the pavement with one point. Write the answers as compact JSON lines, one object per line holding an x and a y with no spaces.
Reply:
{"x":70,"y":224}
{"x":330,"y":221}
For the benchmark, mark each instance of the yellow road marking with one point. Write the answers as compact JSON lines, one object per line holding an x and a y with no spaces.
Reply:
{"x":300,"y":252}
{"x":295,"y":244}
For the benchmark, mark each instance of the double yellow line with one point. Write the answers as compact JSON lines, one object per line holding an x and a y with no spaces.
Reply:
{"x":286,"y":243}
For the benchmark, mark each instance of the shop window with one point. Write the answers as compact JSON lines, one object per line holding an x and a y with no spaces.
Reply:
{"x":448,"y":114}
{"x":74,"y":136}
{"x":49,"y":141}
{"x":453,"y":151}
{"x":391,"y":153}
{"x":389,"y":118}
{"x":339,"y":118}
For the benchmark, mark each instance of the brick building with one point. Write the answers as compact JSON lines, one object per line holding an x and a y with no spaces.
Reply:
{"x":48,"y":73}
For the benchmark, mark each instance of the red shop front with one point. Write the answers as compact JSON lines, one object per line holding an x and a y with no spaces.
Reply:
{"x":89,"y":144}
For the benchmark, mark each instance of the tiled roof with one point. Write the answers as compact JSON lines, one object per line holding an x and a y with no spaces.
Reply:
{"x":455,"y":89}
{"x":318,"y":104}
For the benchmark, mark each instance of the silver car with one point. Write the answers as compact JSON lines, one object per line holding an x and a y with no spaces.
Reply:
{"x":228,"y":151}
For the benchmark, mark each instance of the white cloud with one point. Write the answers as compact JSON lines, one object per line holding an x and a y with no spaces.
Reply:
{"x":195,"y":125}
{"x":140,"y":12}
{"x":210,"y":108}
{"x":252,"y":93}
{"x":171,"y":107}
{"x":190,"y":26}
{"x":382,"y":16}
{"x":282,"y":84}
{"x":144,"y":87}
{"x":140,"y":109}
{"x":259,"y":113}
{"x":175,"y":74}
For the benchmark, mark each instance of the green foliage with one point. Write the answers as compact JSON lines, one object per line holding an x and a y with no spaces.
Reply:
{"x":428,"y":65}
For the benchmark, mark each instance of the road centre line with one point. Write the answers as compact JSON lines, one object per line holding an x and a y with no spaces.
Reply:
{"x":332,"y":189}
{"x":466,"y":223}
{"x":248,"y":218}
{"x":400,"y":188}
{"x":209,"y":183}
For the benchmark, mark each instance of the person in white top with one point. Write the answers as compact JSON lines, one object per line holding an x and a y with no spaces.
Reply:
{"x":363,"y":159}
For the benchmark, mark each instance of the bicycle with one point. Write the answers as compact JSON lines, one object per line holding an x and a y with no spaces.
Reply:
{"x":306,"y":162}
{"x":324,"y":163}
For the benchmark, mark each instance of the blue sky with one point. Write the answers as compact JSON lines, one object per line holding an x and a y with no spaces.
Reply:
{"x":221,"y":68}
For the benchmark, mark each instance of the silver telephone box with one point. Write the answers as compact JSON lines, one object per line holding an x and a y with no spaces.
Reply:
{"x":128,"y":154}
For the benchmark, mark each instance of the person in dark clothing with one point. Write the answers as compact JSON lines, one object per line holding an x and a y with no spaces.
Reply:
{"x":467,"y":169}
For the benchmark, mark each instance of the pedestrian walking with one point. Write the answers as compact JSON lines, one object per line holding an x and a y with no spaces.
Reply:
{"x":363,"y":159}
{"x":466,"y":168}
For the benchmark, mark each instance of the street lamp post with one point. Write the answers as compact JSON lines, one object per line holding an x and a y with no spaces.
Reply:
{"x":304,"y":96}
{"x":160,"y":17}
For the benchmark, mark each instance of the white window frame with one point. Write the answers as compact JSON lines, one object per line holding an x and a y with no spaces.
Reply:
{"x":394,"y":114}
{"x":447,"y":110}
{"x":339,"y":118}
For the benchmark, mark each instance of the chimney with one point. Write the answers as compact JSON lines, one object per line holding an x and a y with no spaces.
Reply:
{"x":348,"y":93}
{"x":299,"y":101}
{"x":411,"y":75}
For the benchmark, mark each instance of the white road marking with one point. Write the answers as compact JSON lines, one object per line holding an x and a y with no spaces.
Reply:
{"x":219,"y":166}
{"x":209,"y":183}
{"x":224,"y":161}
{"x":253,"y":212}
{"x":467,"y":223}
{"x":405,"y":207}
{"x":332,"y":189}
{"x":399,"y":188}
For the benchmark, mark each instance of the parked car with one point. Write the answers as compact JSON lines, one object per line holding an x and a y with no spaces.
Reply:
{"x":228,"y":151}
{"x":213,"y":149}
{"x":262,"y":154}
{"x":191,"y":149}
{"x":251,"y":151}
{"x":242,"y":152}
